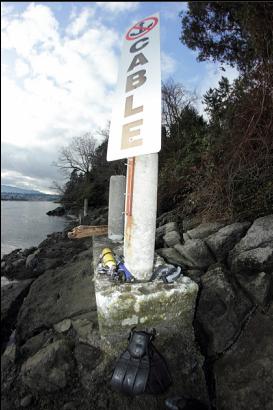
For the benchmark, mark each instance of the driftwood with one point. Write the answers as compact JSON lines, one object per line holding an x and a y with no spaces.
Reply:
{"x":83,"y":231}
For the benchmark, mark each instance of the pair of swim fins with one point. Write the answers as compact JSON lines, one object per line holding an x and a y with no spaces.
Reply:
{"x":141,"y":368}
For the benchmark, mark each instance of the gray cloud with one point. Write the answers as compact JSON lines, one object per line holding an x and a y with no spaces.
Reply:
{"x":31,"y":161}
{"x":30,"y":166}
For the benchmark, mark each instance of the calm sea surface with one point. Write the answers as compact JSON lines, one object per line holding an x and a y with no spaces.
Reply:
{"x":25,"y":224}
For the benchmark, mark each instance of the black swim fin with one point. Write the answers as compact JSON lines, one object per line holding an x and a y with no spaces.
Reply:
{"x":141,"y":368}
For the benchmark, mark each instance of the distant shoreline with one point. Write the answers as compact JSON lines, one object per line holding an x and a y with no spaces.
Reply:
{"x":31,"y":199}
{"x":8,"y":196}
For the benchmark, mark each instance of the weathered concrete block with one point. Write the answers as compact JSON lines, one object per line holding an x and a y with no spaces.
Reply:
{"x":149,"y":304}
{"x":169,"y":308}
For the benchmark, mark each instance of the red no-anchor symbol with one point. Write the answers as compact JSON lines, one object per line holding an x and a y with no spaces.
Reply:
{"x":141,"y":28}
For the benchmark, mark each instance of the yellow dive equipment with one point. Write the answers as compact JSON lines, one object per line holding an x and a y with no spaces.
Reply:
{"x":108,"y":259}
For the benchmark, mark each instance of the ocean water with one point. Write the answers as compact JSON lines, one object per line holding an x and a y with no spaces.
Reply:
{"x":25,"y":224}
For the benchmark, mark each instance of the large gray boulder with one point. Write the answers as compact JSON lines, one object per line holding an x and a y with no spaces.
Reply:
{"x":168,"y":227}
{"x":195,"y":275}
{"x":8,"y":376}
{"x":32,"y":260}
{"x":221,"y":242}
{"x":12,"y":296}
{"x":171,"y":255}
{"x":29,"y":251}
{"x":45,"y":264}
{"x":221,"y":310}
{"x":163,"y":230}
{"x":50,"y":368}
{"x":174,"y":215}
{"x":204,"y":230}
{"x":18,"y":264}
{"x":59,"y":211}
{"x":186,"y":237}
{"x":253,"y":260}
{"x":258,"y":287}
{"x":58,"y":294}
{"x":35,"y":343}
{"x":254,"y":253}
{"x":87,"y":359}
{"x":63,"y":326}
{"x":244,"y":375}
{"x":190,"y":223}
{"x":195,"y":254}
{"x":171,"y":238}
{"x":84,"y":326}
{"x":259,"y":235}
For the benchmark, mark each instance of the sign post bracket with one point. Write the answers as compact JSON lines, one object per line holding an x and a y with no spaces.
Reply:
{"x":130,"y":186}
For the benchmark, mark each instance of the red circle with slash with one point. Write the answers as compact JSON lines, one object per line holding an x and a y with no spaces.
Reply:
{"x":144,"y":30}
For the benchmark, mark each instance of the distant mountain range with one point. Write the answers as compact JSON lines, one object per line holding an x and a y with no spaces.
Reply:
{"x":14,"y":190}
{"x":12,"y":193}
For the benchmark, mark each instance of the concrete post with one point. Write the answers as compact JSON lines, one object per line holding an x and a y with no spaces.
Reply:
{"x":116,"y":207}
{"x":85,"y":207}
{"x":139,"y":235}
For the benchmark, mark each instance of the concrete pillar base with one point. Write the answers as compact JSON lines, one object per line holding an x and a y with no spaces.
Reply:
{"x":169,"y":308}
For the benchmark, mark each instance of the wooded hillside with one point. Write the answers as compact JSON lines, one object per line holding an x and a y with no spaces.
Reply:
{"x":219,"y":167}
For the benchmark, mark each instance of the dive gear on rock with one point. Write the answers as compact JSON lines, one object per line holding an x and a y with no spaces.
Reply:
{"x":168,"y":273}
{"x":113,"y":266}
{"x":141,"y":368}
{"x":107,"y":263}
{"x":172,"y":275}
{"x":108,"y":260}
{"x":123,"y":273}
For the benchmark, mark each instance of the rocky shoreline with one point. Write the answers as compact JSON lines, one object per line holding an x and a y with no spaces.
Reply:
{"x":50,"y":345}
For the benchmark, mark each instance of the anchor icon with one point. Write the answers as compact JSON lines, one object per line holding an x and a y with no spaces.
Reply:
{"x":140,"y":27}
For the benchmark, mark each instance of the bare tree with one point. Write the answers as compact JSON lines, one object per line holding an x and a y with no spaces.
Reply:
{"x":57,"y":187}
{"x":78,"y":155}
{"x":175,"y":99}
{"x":104,"y":132}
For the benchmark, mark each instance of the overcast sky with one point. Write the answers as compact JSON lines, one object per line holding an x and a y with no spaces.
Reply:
{"x":59,"y":70}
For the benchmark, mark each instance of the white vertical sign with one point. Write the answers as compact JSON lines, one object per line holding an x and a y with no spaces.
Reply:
{"x":136,"y":117}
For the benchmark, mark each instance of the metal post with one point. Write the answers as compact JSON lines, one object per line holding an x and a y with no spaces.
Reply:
{"x":140,"y":215}
{"x":130,"y":186}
